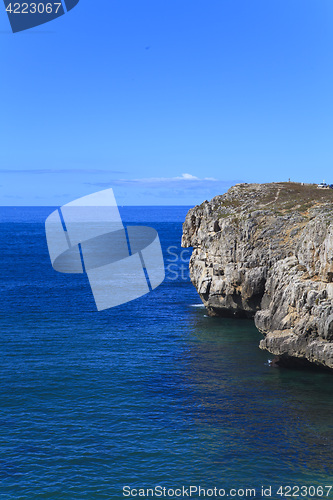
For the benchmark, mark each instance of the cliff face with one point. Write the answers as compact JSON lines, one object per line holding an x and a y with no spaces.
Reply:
{"x":266,"y":251}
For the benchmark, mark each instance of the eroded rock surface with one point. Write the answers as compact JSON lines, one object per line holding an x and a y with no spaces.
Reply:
{"x":266,"y":251}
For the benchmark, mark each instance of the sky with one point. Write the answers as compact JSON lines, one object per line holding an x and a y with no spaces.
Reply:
{"x":169,"y":102}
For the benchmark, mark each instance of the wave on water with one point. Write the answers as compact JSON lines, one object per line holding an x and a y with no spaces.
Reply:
{"x":197,"y":305}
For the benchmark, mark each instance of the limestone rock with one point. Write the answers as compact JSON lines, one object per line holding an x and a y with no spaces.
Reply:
{"x":266,"y":251}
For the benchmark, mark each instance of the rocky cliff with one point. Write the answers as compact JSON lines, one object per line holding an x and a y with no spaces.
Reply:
{"x":266,"y":251}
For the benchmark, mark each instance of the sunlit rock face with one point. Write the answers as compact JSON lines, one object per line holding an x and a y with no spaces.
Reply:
{"x":266,"y":251}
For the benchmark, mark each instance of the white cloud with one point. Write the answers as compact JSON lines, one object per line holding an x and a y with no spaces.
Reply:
{"x":188,"y":176}
{"x":184,"y":180}
{"x":185,"y":188}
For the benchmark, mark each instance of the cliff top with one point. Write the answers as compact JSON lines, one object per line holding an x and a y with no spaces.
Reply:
{"x":279,"y":198}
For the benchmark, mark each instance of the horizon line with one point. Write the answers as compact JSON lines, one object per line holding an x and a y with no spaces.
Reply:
{"x":57,"y":206}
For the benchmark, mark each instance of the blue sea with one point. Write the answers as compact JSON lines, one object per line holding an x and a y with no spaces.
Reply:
{"x":153,"y":393}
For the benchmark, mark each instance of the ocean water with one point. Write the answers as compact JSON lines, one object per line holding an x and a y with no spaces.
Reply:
{"x":151,"y":393}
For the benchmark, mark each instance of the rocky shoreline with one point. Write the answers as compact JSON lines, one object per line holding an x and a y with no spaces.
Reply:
{"x":265,"y":251}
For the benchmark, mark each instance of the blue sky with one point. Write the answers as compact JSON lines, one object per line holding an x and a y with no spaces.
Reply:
{"x":168,"y":102}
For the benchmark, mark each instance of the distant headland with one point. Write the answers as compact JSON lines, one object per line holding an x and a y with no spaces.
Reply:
{"x":266,"y":251}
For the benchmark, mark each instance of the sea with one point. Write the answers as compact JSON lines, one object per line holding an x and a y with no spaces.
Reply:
{"x":150,"y":399}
